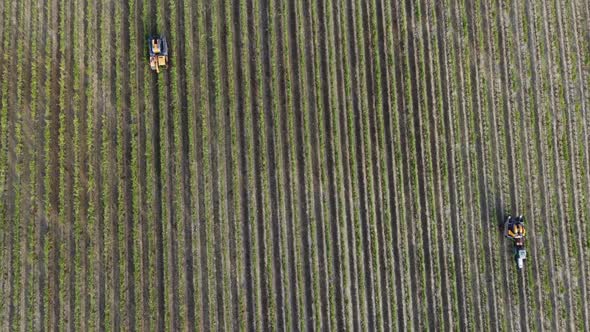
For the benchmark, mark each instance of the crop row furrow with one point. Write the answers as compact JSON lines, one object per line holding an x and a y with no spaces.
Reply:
{"x":361,"y":163}
{"x":349,"y":281}
{"x":431,"y":234}
{"x":522,"y":117}
{"x":54,"y":171}
{"x":375,"y":48}
{"x":328,"y":171}
{"x":497,"y":152}
{"x":383,"y":162}
{"x":407,"y":227}
{"x":10,"y":191}
{"x":573,"y":173}
{"x":538,"y":130}
{"x":556,"y":89}
{"x":272,"y":197}
{"x":168,"y":125}
{"x":283,"y":86}
{"x":582,"y":45}
{"x":25,"y":166}
{"x":482,"y":185}
{"x":67,"y":148}
{"x":3,"y":166}
{"x":506,"y":147}
{"x":244,"y":199}
{"x":433,"y":71}
{"x":389,"y":132}
{"x":446,"y":59}
{"x":228,"y":55}
{"x":156,"y":186}
{"x":303,"y":162}
{"x":416,"y":74}
{"x":312,"y":149}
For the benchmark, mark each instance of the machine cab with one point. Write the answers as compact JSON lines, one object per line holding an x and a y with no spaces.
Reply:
{"x":158,"y":49}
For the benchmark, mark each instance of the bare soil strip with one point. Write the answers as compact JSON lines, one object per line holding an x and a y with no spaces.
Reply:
{"x":271,"y":164}
{"x":324,"y":210}
{"x":522,"y":102}
{"x":536,"y":104}
{"x":564,"y":49}
{"x":475,"y":63}
{"x":443,"y":319}
{"x":223,"y":102}
{"x":3,"y":166}
{"x":435,"y":194}
{"x":157,"y":178}
{"x":300,"y":176}
{"x":182,"y":92}
{"x":172,"y":231}
{"x":415,"y":86}
{"x":27,"y":33}
{"x":112,"y":180}
{"x":558,"y":180}
{"x":157,"y":204}
{"x":506,"y":104}
{"x":360,"y":172}
{"x":39,"y":204}
{"x":282,"y":92}
{"x":387,"y":83}
{"x":126,"y":172}
{"x":68,"y":167}
{"x":214,"y":155}
{"x":142,"y":197}
{"x":449,"y":138}
{"x":584,"y":77}
{"x":198,"y":78}
{"x":98,"y":203}
{"x":509,"y":137}
{"x":225,"y":30}
{"x":83,"y":162}
{"x":399,"y":252}
{"x":372,"y":83}
{"x":9,"y":190}
{"x":464,"y":166}
{"x":4,"y":224}
{"x":433,"y":158}
{"x":344,"y":146}
{"x":584,"y":74}
{"x":171,"y":247}
{"x":586,"y":162}
{"x":258,"y":188}
{"x":54,"y":171}
{"x":545,"y":52}
{"x":331,"y":168}
{"x":468,"y":178}
{"x":407,"y":96}
{"x":411,"y":197}
{"x":312,"y":107}
{"x":497,"y":212}
{"x":2,"y":13}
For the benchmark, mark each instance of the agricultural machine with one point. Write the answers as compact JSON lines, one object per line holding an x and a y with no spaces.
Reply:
{"x":514,"y":230}
{"x":158,"y":53}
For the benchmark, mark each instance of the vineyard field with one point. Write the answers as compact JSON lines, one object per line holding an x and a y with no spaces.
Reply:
{"x":339,"y":165}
